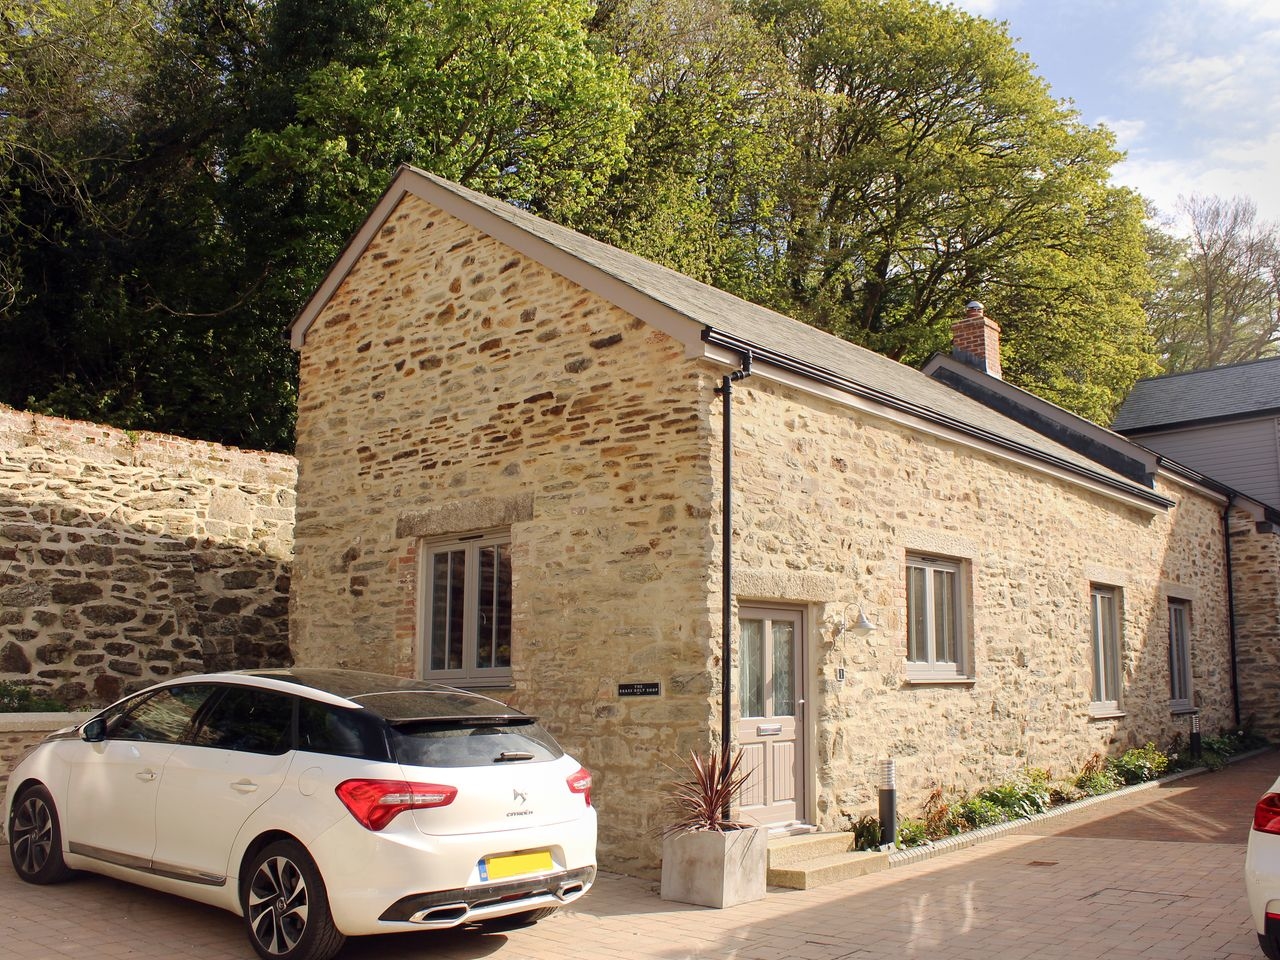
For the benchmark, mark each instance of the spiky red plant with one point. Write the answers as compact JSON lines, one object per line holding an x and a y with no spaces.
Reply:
{"x":702,"y":795}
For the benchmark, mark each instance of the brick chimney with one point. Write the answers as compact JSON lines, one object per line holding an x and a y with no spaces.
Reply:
{"x":975,"y":340}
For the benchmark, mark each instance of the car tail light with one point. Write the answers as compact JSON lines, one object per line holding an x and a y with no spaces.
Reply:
{"x":580,"y":782}
{"x":1266,"y":815}
{"x":375,"y":803}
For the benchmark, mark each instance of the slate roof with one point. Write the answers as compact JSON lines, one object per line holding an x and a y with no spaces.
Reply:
{"x":1239,"y":392}
{"x":730,"y":321}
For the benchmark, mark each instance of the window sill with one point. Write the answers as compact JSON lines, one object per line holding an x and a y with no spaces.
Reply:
{"x":1181,"y":708}
{"x":1101,"y":711}
{"x":467,"y":683}
{"x":937,"y":679}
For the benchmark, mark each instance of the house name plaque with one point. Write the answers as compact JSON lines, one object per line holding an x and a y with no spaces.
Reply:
{"x":653,"y":689}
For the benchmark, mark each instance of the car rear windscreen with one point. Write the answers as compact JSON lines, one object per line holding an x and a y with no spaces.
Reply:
{"x":467,"y":743}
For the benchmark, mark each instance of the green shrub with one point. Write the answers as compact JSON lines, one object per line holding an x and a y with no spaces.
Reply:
{"x":1021,"y":797}
{"x":978,"y":812}
{"x":866,"y":833}
{"x":1139,"y":764}
{"x":18,"y":698}
{"x":912,"y":833}
{"x":1096,"y":776}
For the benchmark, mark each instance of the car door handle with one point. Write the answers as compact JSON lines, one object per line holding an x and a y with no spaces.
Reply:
{"x":146,"y":775}
{"x":244,"y":786}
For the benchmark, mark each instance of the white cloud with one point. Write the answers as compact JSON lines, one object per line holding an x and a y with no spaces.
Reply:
{"x":1227,"y":169}
{"x":1214,"y":63}
{"x":1129,"y":131}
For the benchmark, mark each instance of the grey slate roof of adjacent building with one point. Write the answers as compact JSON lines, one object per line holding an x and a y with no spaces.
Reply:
{"x":732,"y":322}
{"x":1238,"y":392}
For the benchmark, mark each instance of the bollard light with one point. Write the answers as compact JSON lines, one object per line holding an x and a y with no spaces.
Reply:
{"x":888,"y":804}
{"x":1195,"y":735}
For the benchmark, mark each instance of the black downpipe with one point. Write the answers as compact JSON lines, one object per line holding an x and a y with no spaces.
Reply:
{"x":726,"y":556}
{"x":1231,"y":611}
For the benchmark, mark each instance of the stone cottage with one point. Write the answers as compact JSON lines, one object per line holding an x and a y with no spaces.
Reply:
{"x":512,"y":477}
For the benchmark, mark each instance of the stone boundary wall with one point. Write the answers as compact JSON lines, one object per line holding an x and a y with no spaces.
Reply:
{"x":1255,"y":562}
{"x":126,"y":558}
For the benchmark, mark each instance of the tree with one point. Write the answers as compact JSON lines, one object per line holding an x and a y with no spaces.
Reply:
{"x":1218,"y":301}
{"x":933,"y":166}
{"x":258,"y":138}
{"x":710,"y":96}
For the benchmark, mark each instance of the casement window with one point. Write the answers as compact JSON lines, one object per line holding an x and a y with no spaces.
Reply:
{"x":1180,"y":655}
{"x":936,"y":642}
{"x":1105,"y":606}
{"x":465,"y":619}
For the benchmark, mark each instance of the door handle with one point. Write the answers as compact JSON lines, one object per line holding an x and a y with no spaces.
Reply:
{"x":244,"y":786}
{"x":146,"y":776}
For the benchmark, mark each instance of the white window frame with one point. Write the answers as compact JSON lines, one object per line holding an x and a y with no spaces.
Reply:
{"x":469,"y":675}
{"x":1106,"y":649}
{"x":931,"y":669}
{"x":1181,"y":696}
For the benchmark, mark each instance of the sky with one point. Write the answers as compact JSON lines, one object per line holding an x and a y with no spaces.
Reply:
{"x":1190,"y":88}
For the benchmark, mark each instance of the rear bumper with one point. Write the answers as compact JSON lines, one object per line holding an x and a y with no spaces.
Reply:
{"x":448,"y":908}
{"x":400,"y":863}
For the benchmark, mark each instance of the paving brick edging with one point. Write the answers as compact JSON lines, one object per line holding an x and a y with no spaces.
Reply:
{"x":936,"y":848}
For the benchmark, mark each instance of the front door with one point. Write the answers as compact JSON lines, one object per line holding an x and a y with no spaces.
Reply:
{"x":770,"y":731}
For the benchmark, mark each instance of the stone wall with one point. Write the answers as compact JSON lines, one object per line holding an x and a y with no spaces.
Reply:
{"x":452,"y":386}
{"x":126,"y":558}
{"x":830,"y":502}
{"x":1255,"y":561}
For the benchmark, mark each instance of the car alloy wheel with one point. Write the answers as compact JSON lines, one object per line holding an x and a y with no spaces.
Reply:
{"x":35,"y":839}
{"x":285,"y":906}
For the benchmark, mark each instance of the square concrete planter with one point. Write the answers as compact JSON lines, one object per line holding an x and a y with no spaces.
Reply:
{"x":715,"y":869}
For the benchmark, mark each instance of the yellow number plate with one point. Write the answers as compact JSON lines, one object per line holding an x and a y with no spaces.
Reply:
{"x":518,"y":863}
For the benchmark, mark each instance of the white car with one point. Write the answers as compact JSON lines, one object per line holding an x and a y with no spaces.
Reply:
{"x":1262,"y":871}
{"x":317,"y":804}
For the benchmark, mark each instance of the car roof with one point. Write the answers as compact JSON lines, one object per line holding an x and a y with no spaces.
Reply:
{"x":395,"y":699}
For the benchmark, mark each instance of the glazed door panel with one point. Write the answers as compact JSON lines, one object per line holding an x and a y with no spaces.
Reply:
{"x":770,"y":705}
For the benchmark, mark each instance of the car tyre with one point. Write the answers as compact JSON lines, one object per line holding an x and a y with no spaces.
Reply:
{"x":286,"y":908}
{"x":35,"y":837}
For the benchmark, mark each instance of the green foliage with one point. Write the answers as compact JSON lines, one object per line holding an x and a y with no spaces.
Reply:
{"x":912,"y":833}
{"x":1021,"y":797}
{"x":1139,"y":764}
{"x":934,"y":167}
{"x":977,"y":812}
{"x":866,"y":833}
{"x":19,"y":698}
{"x":1096,"y":776}
{"x":175,"y":178}
{"x":248,"y":143}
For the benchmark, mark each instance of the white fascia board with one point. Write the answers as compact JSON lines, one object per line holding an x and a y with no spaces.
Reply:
{"x":1178,"y":479}
{"x":939,"y":431}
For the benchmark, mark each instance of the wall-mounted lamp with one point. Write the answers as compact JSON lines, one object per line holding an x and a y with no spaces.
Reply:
{"x":861,"y":627}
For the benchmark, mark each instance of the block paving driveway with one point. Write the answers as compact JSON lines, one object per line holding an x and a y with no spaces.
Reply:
{"x":1155,"y":873}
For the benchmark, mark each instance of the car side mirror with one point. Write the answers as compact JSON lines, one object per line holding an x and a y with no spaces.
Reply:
{"x":95,"y":731}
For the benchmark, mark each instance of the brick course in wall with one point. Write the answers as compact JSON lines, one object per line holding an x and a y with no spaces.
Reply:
{"x":126,"y":558}
{"x":452,"y":385}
